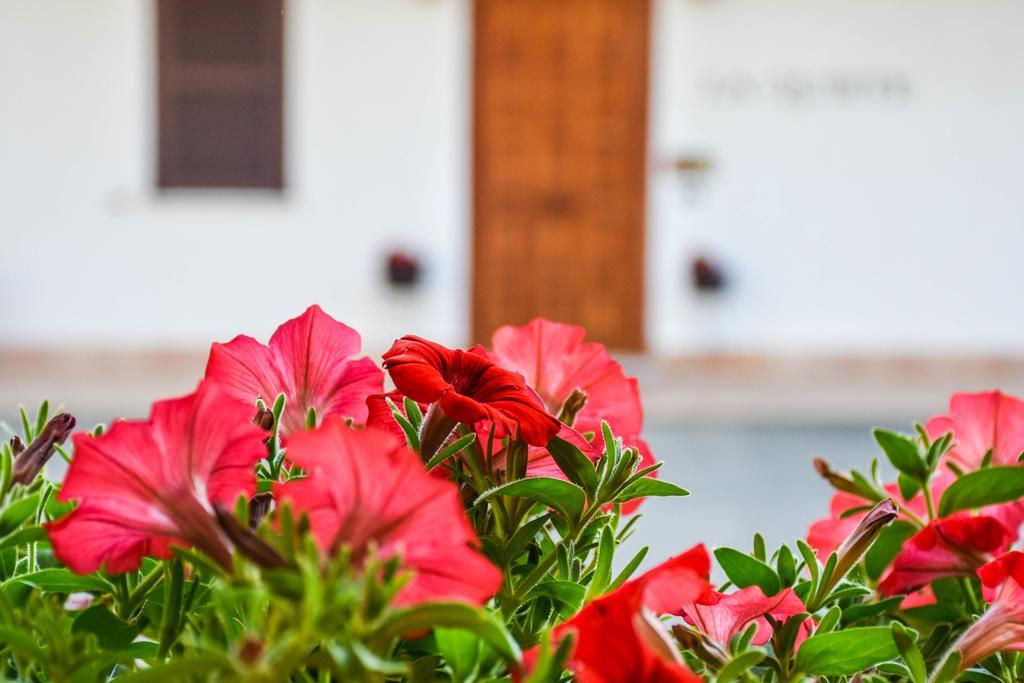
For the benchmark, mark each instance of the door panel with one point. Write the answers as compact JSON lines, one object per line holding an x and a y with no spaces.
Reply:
{"x":560,"y":119}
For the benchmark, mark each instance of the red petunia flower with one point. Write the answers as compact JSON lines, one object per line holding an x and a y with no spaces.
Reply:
{"x":555,"y":361}
{"x":1001,"y":627}
{"x":954,"y":546}
{"x":366,"y":488}
{"x":468,"y":388}
{"x":989,"y":421}
{"x":619,"y":638}
{"x":145,"y":486}
{"x":309,"y":361}
{"x":721,"y":616}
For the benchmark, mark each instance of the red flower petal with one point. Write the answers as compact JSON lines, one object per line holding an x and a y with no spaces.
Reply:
{"x":366,"y":487}
{"x":1001,"y":627}
{"x":722,"y":616}
{"x":618,"y":638}
{"x":146,"y":485}
{"x":1006,"y":566}
{"x":308,"y":360}
{"x":980,"y":423}
{"x":469,"y":388}
{"x":554,"y":360}
{"x":955,"y":546}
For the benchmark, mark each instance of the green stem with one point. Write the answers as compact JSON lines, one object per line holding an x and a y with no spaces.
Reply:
{"x":172,"y":607}
{"x":909,"y":514}
{"x":141,"y":590}
{"x":547,"y":562}
{"x":972,"y":598}
{"x":928,"y":501}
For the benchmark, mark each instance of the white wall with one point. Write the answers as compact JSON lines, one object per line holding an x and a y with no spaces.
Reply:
{"x":862,"y":224}
{"x":376,"y":158}
{"x":858,"y":224}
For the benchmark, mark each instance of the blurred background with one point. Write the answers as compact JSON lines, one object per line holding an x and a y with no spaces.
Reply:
{"x":793,"y":219}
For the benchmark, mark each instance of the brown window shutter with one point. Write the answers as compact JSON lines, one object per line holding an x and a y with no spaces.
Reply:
{"x":220,"y":93}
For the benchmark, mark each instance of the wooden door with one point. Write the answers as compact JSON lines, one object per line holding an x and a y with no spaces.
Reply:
{"x":560,"y":134}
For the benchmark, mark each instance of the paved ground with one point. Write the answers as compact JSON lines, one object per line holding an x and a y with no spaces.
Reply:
{"x":743,"y":479}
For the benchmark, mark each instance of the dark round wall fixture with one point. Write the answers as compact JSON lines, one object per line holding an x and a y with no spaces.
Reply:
{"x":706,"y":275}
{"x":403,"y":269}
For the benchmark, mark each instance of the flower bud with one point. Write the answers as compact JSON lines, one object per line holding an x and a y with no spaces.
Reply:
{"x":247,"y":542}
{"x":573,"y":405}
{"x":77,"y":601}
{"x":436,"y":429}
{"x":264,"y":419}
{"x":31,"y":460}
{"x":836,"y":480}
{"x":251,"y":650}
{"x":259,"y":506}
{"x":858,"y":542}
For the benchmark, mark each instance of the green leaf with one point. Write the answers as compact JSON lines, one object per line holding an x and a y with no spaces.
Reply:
{"x":628,"y":570}
{"x":948,"y":669}
{"x":785,"y":565}
{"x":909,"y":486}
{"x":520,"y":539}
{"x":29,"y":434}
{"x":55,"y":510}
{"x":739,"y":665}
{"x":886,"y":547}
{"x":744,"y":570}
{"x":902,"y":452}
{"x":574,"y":464}
{"x":44,"y":412}
{"x":63,"y":581}
{"x":111,"y":633}
{"x":760,"y":548}
{"x":17,"y":512}
{"x":452,"y":615}
{"x":6,"y":468}
{"x":179,"y":670}
{"x":367,"y":659}
{"x":843,"y":653}
{"x":869,"y":610}
{"x":567,"y":593}
{"x":140,"y":649}
{"x":29,"y":534}
{"x":171,"y":621}
{"x":413,"y":412}
{"x":981,"y":488}
{"x":564,"y":496}
{"x":907,"y":645}
{"x":979,"y":675}
{"x":451,"y":450}
{"x":22,"y":644}
{"x":830,"y":621}
{"x":603,"y":572}
{"x":461,"y":651}
{"x":647,"y":486}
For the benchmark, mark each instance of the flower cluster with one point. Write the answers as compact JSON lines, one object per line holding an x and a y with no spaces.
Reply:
{"x":454,"y":514}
